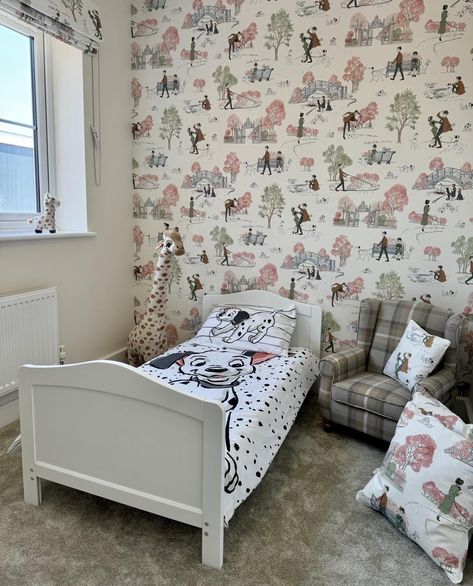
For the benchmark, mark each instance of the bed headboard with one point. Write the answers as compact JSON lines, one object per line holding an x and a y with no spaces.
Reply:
{"x":309,"y":317}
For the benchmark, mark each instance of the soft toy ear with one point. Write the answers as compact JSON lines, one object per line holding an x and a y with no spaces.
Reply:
{"x":160,"y":244}
{"x":164,"y":362}
{"x":258,"y":357}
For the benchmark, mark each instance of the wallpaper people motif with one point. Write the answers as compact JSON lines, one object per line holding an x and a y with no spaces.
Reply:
{"x":301,"y":147}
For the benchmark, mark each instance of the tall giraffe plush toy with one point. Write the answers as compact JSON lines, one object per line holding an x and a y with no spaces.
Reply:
{"x":149,"y":337}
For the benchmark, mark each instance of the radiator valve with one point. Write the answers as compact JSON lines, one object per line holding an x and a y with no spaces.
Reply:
{"x":62,"y":354}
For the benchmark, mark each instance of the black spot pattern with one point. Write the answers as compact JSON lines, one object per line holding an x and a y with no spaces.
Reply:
{"x":269,"y":400}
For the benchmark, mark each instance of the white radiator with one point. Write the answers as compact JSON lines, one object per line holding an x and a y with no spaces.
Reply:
{"x":28,"y":333}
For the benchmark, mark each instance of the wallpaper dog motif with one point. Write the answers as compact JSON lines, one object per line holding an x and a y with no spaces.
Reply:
{"x":300,"y":147}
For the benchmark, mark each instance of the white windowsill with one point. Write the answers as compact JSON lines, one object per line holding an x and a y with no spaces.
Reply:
{"x":12,"y":235}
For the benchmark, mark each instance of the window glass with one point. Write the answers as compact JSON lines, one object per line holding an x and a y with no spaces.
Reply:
{"x":18,"y":135}
{"x":15,"y":72}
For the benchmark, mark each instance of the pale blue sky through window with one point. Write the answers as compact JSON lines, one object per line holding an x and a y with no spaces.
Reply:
{"x":15,"y":76}
{"x":17,"y":163}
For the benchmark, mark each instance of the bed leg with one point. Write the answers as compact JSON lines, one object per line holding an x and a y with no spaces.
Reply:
{"x":31,"y":482}
{"x":32,"y":489}
{"x":212,"y":544}
{"x":213,"y":472}
{"x":327,"y":424}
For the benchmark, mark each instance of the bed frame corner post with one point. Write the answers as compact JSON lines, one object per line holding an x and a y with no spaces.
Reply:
{"x":31,"y":483}
{"x":212,"y":484}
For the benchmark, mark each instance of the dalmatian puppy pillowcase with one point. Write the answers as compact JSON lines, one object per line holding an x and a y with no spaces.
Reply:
{"x":246,"y":327}
{"x":416,"y":356}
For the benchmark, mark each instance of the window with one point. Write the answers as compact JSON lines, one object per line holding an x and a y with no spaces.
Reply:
{"x":24,"y":174}
{"x":42,"y":146}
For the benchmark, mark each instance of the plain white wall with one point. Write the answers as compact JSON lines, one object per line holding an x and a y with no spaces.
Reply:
{"x":92,"y":274}
{"x":67,"y":69}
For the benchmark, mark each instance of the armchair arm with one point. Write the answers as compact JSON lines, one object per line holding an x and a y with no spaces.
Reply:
{"x":438,"y":384}
{"x":343,"y":364}
{"x":336,"y":367}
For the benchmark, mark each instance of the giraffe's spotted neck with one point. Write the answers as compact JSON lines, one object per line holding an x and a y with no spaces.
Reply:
{"x":158,"y":296}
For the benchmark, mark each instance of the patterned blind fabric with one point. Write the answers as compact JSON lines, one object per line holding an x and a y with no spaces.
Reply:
{"x":76,"y":22}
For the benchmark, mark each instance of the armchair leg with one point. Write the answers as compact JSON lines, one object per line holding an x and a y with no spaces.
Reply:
{"x":328,"y":425}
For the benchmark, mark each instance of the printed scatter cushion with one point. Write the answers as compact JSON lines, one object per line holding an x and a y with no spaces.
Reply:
{"x":416,"y":356}
{"x":425,"y":484}
{"x":246,"y":327}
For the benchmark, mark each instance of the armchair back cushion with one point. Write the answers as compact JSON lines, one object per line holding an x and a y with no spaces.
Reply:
{"x":367,"y":317}
{"x":392,"y":318}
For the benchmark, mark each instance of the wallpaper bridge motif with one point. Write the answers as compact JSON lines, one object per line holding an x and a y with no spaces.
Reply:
{"x":302,"y":146}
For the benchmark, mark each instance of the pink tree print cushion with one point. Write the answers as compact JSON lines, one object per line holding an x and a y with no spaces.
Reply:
{"x":425,"y":484}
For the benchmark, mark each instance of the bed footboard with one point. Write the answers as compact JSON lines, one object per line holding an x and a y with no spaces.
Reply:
{"x":106,"y":429}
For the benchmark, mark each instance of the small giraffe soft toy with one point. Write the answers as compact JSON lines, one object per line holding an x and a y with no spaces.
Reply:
{"x":149,"y":338}
{"x":47,"y":219}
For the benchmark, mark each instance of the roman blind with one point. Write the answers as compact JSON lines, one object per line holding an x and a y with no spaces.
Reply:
{"x":76,"y":22}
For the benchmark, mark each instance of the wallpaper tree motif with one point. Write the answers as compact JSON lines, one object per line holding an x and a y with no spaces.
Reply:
{"x":301,"y":146}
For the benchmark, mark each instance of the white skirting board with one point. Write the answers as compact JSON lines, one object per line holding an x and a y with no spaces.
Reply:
{"x":9,"y":406}
{"x":118,"y":356}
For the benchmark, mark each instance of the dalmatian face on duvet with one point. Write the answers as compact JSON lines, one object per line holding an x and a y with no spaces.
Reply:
{"x":217,"y":369}
{"x":212,"y":369}
{"x":237,"y":324}
{"x":260,"y":392}
{"x":218,"y":372}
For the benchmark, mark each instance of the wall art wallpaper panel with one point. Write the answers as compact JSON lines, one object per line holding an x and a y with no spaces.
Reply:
{"x":302,"y":147}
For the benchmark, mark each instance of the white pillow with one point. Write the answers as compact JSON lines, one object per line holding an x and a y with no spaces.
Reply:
{"x":416,"y":356}
{"x":425,"y":484}
{"x":247,"y":327}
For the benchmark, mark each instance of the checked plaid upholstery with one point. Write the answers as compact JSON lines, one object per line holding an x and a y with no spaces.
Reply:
{"x":354,"y":392}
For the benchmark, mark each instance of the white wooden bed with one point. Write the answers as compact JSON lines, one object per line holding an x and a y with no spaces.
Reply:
{"x":104,"y":428}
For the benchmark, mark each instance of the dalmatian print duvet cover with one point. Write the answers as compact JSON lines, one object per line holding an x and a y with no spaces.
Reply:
{"x":261,"y":393}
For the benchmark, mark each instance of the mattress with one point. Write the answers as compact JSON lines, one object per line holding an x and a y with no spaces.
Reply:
{"x":261,"y":394}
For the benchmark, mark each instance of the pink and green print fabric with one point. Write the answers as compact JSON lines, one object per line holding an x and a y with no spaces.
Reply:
{"x":425,"y":484}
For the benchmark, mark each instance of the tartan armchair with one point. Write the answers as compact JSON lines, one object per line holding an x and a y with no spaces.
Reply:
{"x":353,"y":390}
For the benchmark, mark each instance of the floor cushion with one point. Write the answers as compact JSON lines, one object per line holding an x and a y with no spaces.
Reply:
{"x":425,"y":484}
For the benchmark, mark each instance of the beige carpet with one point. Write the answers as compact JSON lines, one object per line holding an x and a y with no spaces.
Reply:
{"x":302,"y":526}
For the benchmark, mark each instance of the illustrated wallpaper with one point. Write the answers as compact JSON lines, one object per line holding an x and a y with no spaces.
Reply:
{"x":301,"y":147}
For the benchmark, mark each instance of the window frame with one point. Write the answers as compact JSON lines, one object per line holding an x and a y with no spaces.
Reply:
{"x":42,"y":121}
